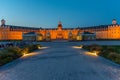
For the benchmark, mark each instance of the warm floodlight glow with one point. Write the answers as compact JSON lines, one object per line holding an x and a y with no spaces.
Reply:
{"x":78,"y":47}
{"x":39,"y":47}
{"x":91,"y":53}
{"x":29,"y":54}
{"x":33,"y":53}
{"x":24,"y":54}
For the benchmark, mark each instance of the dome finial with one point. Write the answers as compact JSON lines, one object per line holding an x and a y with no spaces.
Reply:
{"x":59,"y":22}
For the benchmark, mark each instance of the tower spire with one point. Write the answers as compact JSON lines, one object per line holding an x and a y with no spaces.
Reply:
{"x":59,"y":22}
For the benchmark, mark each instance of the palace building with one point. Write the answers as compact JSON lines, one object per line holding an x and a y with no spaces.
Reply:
{"x":10,"y":32}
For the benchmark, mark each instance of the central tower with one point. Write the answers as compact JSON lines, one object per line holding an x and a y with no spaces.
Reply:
{"x":59,"y":25}
{"x":59,"y":31}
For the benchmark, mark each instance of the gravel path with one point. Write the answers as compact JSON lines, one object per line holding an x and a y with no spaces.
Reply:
{"x":60,"y":61}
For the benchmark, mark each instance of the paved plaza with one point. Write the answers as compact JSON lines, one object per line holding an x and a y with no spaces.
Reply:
{"x":60,"y":61}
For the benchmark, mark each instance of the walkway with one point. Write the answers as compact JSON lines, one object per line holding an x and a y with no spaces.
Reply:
{"x":60,"y":62}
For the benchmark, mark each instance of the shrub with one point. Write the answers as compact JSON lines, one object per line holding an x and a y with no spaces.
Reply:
{"x":106,"y":50}
{"x":95,"y":47}
{"x":117,"y":49}
{"x":38,"y":45}
{"x":6,"y":60}
{"x":10,"y":53}
{"x":112,"y":55}
{"x":117,"y":60}
{"x":3,"y":54}
{"x":111,"y":49}
{"x":86,"y":47}
{"x":109,"y":52}
{"x":29,"y":48}
{"x":14,"y":51}
{"x":104,"y":53}
{"x":25,"y":50}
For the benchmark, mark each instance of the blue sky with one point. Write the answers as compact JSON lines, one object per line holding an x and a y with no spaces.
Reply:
{"x":47,"y":13}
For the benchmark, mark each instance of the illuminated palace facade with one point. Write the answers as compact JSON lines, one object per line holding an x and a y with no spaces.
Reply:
{"x":9,"y":32}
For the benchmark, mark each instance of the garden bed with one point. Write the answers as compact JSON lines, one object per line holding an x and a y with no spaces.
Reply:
{"x":110,"y":52}
{"x":9,"y":54}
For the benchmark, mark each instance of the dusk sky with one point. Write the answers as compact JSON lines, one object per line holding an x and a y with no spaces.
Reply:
{"x":47,"y":13}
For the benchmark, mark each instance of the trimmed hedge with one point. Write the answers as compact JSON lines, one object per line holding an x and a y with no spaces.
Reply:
{"x":11,"y":53}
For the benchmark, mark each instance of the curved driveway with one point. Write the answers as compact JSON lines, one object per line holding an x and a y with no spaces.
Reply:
{"x":60,"y":62}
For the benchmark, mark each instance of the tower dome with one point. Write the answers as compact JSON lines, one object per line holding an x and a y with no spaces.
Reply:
{"x":114,"y":22}
{"x":2,"y":22}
